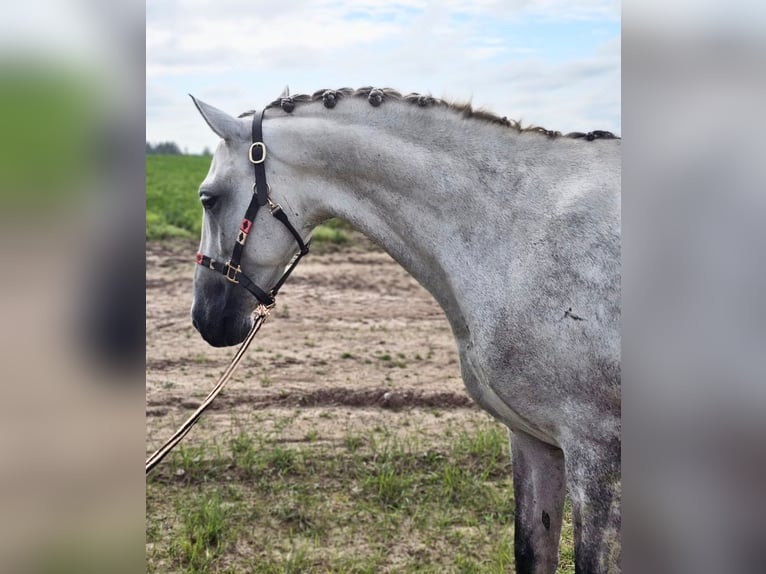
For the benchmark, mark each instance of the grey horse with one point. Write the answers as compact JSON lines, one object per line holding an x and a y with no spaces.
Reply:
{"x":514,"y":231}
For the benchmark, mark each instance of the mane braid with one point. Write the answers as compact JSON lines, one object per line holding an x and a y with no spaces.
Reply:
{"x":376,"y":95}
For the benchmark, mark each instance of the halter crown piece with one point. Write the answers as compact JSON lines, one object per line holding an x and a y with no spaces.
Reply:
{"x":231,"y":269}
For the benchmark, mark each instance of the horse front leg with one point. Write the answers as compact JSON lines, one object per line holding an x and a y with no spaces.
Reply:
{"x":538,"y":485}
{"x":595,"y":489}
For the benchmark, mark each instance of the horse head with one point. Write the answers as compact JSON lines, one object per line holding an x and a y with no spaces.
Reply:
{"x":222,"y":308}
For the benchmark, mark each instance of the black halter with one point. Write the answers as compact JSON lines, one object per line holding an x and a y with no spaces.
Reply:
{"x":231,"y":269}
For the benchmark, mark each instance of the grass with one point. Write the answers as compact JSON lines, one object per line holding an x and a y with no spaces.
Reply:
{"x":172,"y":203}
{"x":252,"y":502}
{"x":324,"y":234}
{"x":204,"y":526}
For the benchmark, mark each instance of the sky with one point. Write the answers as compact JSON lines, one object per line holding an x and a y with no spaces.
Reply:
{"x":554,"y":63}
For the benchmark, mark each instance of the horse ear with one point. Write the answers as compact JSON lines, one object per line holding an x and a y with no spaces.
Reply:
{"x":285,"y":92}
{"x":227,"y":127}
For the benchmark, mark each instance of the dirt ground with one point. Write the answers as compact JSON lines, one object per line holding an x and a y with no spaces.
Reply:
{"x":352,"y":334}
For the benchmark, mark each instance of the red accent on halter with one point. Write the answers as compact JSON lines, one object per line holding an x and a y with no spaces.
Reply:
{"x":246,"y":225}
{"x":199,"y":258}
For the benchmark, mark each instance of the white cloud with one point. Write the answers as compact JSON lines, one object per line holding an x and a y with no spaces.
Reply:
{"x":237,"y":56}
{"x":239,"y":36}
{"x":553,"y":9}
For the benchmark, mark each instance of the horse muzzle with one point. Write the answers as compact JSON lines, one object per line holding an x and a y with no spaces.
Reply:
{"x":220,"y":311}
{"x":222,"y":329}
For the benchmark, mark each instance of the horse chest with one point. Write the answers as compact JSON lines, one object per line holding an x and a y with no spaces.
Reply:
{"x":483,"y":386}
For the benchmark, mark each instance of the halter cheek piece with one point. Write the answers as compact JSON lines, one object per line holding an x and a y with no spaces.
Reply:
{"x":231,"y":269}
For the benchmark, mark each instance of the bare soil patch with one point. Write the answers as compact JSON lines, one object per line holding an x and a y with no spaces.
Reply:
{"x":352,"y":332}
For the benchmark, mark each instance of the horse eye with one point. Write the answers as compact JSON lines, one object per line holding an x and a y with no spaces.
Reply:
{"x":208,"y":201}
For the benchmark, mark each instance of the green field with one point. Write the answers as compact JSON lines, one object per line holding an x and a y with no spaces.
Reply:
{"x":172,"y":202}
{"x":251,"y":501}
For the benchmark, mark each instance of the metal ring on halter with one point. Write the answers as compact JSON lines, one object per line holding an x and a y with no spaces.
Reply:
{"x":273,"y":206}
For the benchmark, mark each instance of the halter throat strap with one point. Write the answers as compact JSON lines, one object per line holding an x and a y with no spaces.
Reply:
{"x":261,"y":196}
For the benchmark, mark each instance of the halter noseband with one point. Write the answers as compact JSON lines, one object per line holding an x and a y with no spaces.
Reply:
{"x":231,"y":269}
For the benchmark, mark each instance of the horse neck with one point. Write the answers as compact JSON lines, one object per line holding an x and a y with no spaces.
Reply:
{"x":428,"y":186}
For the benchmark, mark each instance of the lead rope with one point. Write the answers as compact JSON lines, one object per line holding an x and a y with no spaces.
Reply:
{"x":261,"y":312}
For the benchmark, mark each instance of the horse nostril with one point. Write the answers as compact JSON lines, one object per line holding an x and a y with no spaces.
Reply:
{"x":195,"y":324}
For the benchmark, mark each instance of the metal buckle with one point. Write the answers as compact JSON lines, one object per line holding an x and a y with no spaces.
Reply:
{"x":263,"y":152}
{"x":232,"y":278}
{"x":273,"y":206}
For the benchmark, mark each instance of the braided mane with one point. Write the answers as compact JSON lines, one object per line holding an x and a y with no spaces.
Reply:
{"x":376,"y":96}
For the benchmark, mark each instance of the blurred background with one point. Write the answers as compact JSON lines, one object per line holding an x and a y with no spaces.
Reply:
{"x":694,"y":334}
{"x":72,"y":293}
